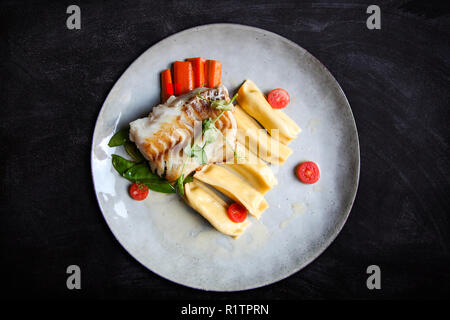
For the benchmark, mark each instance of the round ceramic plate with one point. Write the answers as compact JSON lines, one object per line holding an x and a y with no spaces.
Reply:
{"x":174,"y":241}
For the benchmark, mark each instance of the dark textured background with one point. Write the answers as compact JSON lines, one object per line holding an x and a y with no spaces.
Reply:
{"x":54,"y":81}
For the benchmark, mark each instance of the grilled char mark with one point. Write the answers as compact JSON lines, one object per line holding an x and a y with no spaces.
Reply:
{"x":158,"y":147}
{"x":224,"y":122}
{"x":199,"y":108}
{"x":160,"y":141}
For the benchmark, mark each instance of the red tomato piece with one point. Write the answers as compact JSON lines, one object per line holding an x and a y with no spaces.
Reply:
{"x":278,"y":98}
{"x":138,"y":191}
{"x":237,"y":212}
{"x":308,"y":172}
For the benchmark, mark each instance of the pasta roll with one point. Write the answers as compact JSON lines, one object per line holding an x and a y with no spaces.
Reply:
{"x":255,"y":138}
{"x":213,"y":208}
{"x":259,"y":175}
{"x":255,"y":104}
{"x":233,"y":187}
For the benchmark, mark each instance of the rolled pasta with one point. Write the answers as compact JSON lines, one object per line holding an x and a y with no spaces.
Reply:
{"x":255,"y":138}
{"x":233,"y":187}
{"x":255,"y":104}
{"x":213,"y":208}
{"x":259,"y":175}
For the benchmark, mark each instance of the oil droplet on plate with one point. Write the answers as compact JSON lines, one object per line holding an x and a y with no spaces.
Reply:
{"x":313,"y":124}
{"x":297,"y":208}
{"x":317,"y":188}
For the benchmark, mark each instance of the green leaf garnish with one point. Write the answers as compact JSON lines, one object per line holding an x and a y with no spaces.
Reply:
{"x":180,"y":185}
{"x":199,"y":154}
{"x":207,"y":124}
{"x":189,"y":179}
{"x":204,"y":158}
{"x":181,"y":182}
{"x":223,"y":105}
{"x":210,"y":135}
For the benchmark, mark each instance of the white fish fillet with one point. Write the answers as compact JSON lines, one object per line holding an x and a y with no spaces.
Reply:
{"x":169,"y":128}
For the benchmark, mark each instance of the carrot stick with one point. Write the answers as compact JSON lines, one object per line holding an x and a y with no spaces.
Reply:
{"x":213,"y":73}
{"x":166,"y":85}
{"x":183,"y":76}
{"x":176,"y":89}
{"x":198,"y":65}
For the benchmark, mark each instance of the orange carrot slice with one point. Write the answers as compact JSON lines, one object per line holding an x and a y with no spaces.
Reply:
{"x":198,"y":65}
{"x":183,"y":76}
{"x":176,"y":89}
{"x":213,"y":73}
{"x":166,"y":85}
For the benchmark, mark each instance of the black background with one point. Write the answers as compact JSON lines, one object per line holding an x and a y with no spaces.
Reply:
{"x":54,"y":81}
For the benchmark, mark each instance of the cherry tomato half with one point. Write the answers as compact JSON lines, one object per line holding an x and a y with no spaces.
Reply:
{"x":237,"y":212}
{"x":278,"y":98}
{"x":308,"y":172}
{"x":138,"y":191}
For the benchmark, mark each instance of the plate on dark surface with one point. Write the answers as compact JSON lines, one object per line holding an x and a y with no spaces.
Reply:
{"x":171,"y":239}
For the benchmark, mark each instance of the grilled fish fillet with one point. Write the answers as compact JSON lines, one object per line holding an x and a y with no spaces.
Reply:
{"x":169,"y":128}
